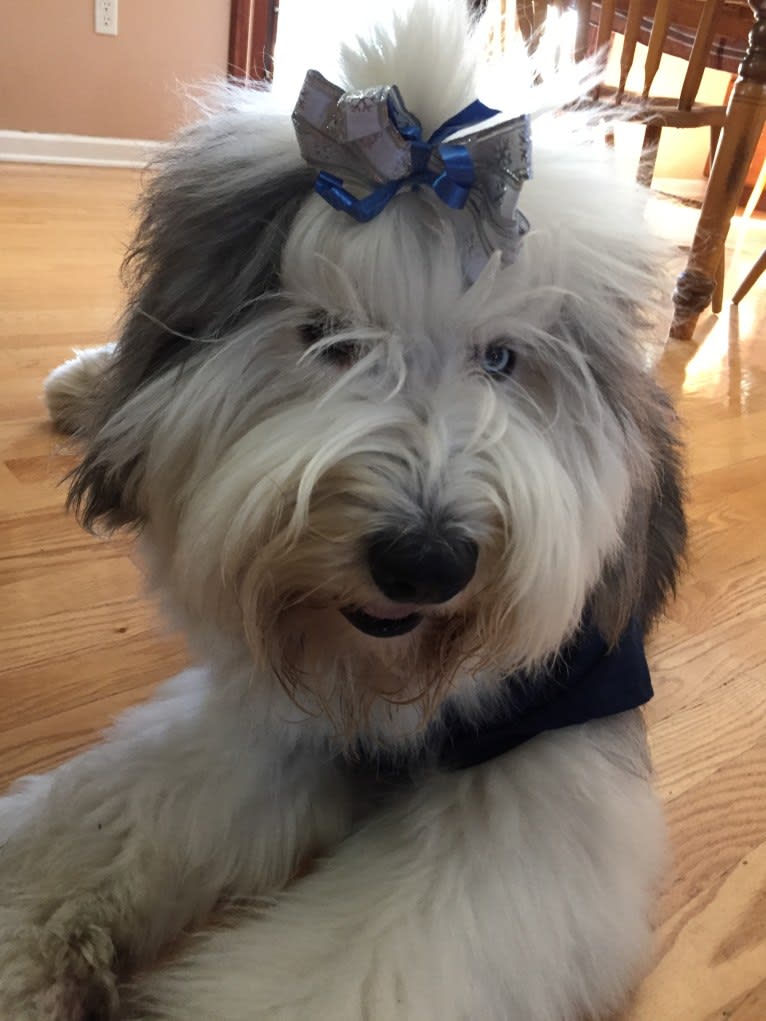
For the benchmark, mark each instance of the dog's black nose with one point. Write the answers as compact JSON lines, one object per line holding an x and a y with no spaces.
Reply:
{"x":421,"y":567}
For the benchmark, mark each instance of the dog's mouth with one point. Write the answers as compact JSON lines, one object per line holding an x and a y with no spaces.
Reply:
{"x":379,"y":623}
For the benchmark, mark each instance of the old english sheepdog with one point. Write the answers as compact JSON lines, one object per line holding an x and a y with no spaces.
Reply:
{"x":381,"y":412}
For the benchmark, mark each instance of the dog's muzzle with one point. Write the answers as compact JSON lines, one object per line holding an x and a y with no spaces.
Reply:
{"x":412,"y":570}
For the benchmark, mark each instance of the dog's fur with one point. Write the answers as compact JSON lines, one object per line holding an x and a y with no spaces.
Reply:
{"x":255,"y":466}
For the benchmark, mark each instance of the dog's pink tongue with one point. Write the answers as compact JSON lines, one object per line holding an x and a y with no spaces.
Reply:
{"x":390,"y":611}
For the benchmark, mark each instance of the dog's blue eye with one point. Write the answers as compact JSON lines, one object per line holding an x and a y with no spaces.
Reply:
{"x":498,"y":360}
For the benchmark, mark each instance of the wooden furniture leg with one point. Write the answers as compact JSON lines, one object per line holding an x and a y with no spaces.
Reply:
{"x":652,"y":135}
{"x":715,"y":134}
{"x":750,"y":279}
{"x":744,"y":120}
{"x":717,"y":302}
{"x":755,"y":194}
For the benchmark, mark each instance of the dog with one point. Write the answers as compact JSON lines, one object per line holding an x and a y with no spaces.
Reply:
{"x":397,"y":463}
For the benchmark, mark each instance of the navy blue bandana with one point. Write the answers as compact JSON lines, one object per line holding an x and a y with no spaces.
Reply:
{"x":589,"y":681}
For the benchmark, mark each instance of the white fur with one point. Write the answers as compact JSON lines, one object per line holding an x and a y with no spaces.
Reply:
{"x":69,"y":387}
{"x":516,"y":891}
{"x":135,"y":825}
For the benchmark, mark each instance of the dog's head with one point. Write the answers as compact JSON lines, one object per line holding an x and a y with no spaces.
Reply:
{"x":376,"y":477}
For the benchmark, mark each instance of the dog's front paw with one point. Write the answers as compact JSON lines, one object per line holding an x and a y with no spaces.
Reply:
{"x":59,"y":971}
{"x":70,"y":388}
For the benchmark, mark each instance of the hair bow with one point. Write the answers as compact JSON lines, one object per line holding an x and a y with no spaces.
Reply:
{"x":477,"y":159}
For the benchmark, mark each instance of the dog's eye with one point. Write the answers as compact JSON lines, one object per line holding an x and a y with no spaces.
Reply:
{"x":343,"y":354}
{"x":312,"y":331}
{"x":498,"y":360}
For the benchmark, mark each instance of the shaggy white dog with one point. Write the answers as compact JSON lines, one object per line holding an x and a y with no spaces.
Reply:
{"x":414,"y":518}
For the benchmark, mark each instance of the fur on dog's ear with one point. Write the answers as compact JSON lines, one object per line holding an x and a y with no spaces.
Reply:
{"x":214,"y":219}
{"x":638,"y":581}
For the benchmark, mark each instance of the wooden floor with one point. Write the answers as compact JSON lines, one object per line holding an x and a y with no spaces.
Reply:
{"x":78,"y":642}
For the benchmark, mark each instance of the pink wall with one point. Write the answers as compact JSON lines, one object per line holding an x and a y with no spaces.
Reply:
{"x":57,"y":75}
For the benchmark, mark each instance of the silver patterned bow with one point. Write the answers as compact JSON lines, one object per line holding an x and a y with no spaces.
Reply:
{"x":476,"y":163}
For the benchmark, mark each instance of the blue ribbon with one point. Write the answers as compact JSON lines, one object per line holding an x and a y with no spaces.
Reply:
{"x":452,"y":185}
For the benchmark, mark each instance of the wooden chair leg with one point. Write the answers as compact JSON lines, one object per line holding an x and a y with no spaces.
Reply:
{"x":583,"y":25}
{"x":717,"y":301}
{"x":755,"y":195}
{"x":745,"y":117}
{"x":750,"y":279}
{"x":648,"y":159}
{"x":715,"y":134}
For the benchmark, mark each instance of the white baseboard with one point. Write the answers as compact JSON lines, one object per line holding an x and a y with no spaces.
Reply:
{"x":78,"y":150}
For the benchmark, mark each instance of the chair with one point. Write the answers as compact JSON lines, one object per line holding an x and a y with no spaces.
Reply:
{"x":700,"y":31}
{"x":702,"y":279}
{"x":706,"y":33}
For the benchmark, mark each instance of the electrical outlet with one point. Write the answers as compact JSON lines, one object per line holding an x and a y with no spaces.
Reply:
{"x":106,"y":17}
